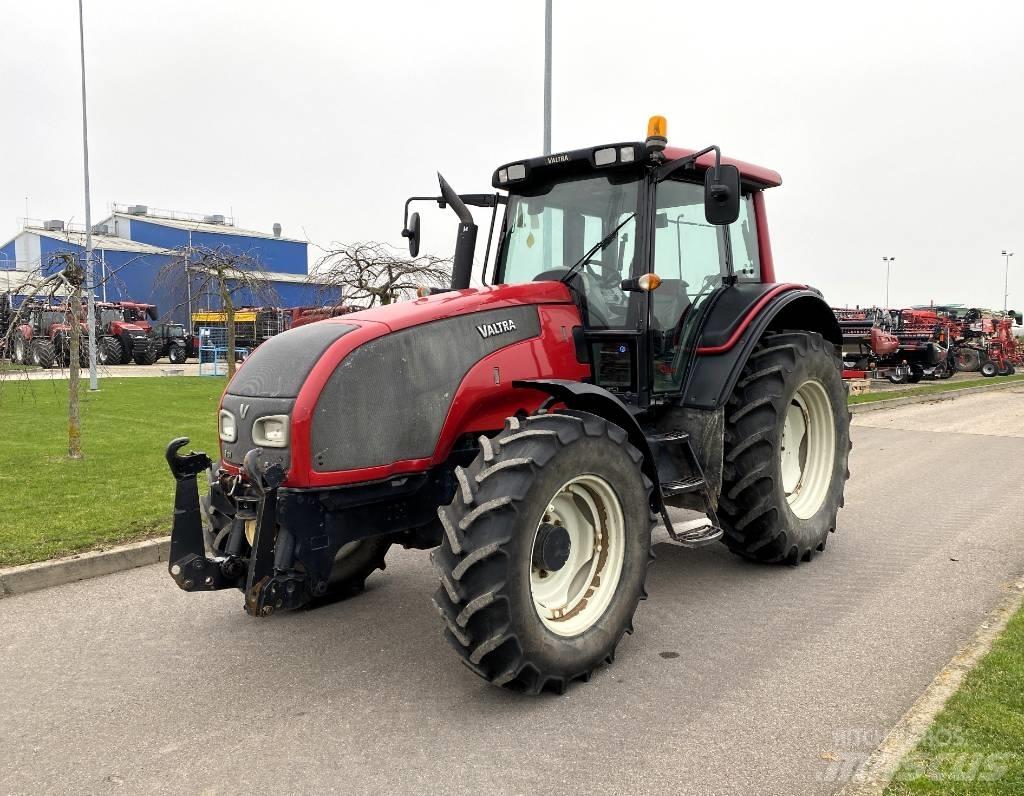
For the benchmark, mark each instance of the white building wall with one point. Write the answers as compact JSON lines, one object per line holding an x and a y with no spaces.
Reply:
{"x":26,"y":251}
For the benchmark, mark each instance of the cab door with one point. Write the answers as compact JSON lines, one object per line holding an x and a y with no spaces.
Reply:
{"x":694,"y":259}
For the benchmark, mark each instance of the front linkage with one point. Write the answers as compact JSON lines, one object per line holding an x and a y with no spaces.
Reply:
{"x":255,"y":501}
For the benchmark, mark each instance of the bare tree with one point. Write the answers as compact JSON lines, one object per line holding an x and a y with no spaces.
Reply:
{"x":222,"y":271}
{"x":370,"y":273}
{"x":67,"y":280}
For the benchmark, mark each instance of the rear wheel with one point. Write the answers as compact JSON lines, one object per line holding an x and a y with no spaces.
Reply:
{"x":43,"y":354}
{"x":787,"y":442}
{"x":545,"y":551}
{"x":989,"y":369}
{"x":968,"y":360}
{"x":109,"y":351}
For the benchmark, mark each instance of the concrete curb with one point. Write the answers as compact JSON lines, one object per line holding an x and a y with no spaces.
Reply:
{"x":42,"y":575}
{"x":874,"y":776}
{"x":875,"y":406}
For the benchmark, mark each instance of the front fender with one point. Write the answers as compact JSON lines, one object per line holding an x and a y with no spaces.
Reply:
{"x":598,"y":401}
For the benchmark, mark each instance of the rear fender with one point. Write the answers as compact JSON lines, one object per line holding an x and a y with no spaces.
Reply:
{"x":715,"y":371}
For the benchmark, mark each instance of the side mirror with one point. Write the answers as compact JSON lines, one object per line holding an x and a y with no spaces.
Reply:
{"x":413,"y":234}
{"x":722,"y":195}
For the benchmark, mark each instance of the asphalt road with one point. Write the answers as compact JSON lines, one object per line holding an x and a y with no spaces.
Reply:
{"x":741,"y":679}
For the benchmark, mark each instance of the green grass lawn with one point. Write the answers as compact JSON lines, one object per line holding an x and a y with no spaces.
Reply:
{"x":928,"y":389}
{"x":122,"y":489}
{"x":976,"y":744}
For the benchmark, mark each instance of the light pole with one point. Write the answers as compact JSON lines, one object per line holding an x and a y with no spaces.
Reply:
{"x":89,"y":275}
{"x":888,"y":261}
{"x":547,"y":77}
{"x":1006,"y":279}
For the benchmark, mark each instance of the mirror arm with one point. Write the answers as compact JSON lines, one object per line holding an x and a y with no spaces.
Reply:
{"x":667,"y":169}
{"x":474,"y":199}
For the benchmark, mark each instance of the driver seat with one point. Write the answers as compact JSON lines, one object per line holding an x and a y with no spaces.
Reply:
{"x":668,"y":303}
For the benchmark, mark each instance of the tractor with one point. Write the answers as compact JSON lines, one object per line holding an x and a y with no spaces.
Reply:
{"x":40,"y":335}
{"x":172,"y":342}
{"x":629,"y":351}
{"x":119,"y":341}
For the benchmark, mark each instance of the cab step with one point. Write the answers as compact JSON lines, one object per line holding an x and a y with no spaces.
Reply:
{"x":682,"y":486}
{"x":680,"y":473}
{"x":696,"y":533}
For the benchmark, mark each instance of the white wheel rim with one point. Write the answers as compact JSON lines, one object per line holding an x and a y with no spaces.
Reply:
{"x":807,"y":449}
{"x":572,"y":599}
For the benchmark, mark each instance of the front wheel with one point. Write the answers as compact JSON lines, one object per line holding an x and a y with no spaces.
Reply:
{"x":43,"y":353}
{"x":787,"y":442}
{"x":545,"y":551}
{"x":176,"y":354}
{"x":19,"y":354}
{"x":144,"y":352}
{"x":108,"y":351}
{"x":989,"y":369}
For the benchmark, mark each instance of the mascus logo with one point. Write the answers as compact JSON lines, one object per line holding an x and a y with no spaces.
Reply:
{"x":501,"y":327}
{"x":557,"y":159}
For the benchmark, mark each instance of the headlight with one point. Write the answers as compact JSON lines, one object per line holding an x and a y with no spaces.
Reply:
{"x":228,"y":431}
{"x":271,"y":431}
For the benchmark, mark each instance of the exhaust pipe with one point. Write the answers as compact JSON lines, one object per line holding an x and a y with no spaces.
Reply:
{"x":465,"y":243}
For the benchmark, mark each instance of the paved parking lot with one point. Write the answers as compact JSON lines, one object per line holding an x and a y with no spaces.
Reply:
{"x":741,"y":679}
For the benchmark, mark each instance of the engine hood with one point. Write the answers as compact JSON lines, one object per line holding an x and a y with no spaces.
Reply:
{"x":131,"y":328}
{"x":374,"y":387}
{"x":459,"y":302}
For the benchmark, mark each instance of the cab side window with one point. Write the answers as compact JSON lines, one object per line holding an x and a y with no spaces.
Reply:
{"x":746,"y":259}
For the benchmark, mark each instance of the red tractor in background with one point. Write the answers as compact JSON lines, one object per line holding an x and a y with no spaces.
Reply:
{"x":41,"y":335}
{"x":632,"y":352}
{"x":120,"y":341}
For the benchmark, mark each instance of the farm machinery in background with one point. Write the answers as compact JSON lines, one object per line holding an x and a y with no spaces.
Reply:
{"x":983,"y":340}
{"x":900,"y":345}
{"x":119,"y":340}
{"x":41,"y":335}
{"x":908,"y":345}
{"x":256,"y":325}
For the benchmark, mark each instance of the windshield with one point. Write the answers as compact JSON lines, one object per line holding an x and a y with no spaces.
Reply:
{"x":551,"y":229}
{"x":110,"y":316}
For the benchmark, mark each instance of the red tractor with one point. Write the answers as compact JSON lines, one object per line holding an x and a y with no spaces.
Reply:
{"x":632,"y":352}
{"x":41,"y":335}
{"x":120,"y":341}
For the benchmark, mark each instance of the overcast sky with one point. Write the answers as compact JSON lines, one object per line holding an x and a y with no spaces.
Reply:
{"x":897,"y":126}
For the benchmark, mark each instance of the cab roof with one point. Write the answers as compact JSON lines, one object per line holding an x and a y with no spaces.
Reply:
{"x":629,"y":155}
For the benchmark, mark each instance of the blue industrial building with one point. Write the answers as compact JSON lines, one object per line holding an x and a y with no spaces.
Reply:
{"x":135,"y":246}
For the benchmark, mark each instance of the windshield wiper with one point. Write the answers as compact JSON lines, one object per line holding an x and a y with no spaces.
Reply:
{"x":599,"y":246}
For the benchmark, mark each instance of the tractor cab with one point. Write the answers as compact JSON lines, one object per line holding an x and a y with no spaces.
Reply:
{"x":646,"y":238}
